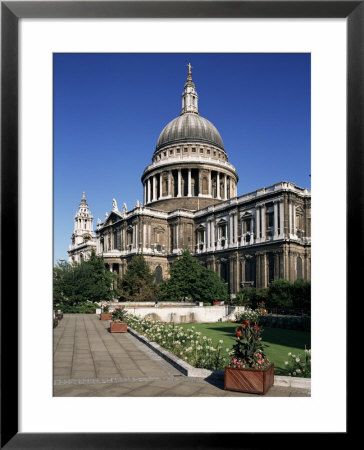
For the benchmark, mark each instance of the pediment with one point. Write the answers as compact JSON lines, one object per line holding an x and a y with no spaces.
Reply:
{"x":115,"y":216}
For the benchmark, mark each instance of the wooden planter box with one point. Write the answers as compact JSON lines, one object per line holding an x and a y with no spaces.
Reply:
{"x":105,"y":316}
{"x":249,"y":380}
{"x":118,"y":327}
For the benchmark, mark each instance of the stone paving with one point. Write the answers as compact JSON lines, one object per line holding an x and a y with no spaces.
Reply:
{"x":89,"y":361}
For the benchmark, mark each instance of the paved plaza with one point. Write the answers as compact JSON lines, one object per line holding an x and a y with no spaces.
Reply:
{"x":89,"y":361}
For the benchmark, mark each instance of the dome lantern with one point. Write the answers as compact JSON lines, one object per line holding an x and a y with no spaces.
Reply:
{"x":189,"y":95}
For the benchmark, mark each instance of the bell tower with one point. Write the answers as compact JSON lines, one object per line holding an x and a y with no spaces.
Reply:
{"x":83,"y":238}
{"x":83,"y":221}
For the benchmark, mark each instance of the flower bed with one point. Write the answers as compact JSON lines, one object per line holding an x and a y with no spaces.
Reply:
{"x":189,"y":345}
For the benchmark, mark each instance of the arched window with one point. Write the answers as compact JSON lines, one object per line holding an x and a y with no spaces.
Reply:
{"x":158,"y":274}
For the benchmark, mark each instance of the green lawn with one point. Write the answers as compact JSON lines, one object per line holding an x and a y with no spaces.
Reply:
{"x":279,"y":341}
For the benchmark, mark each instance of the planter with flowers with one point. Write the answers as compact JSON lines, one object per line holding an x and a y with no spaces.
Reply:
{"x":105,"y":315}
{"x":249,"y":369}
{"x":118,"y":324}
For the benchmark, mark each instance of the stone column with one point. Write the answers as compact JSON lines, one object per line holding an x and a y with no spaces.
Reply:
{"x":281,"y":219}
{"x":258,"y":270}
{"x":232,"y":274}
{"x":160,"y":186}
{"x":136,"y":236}
{"x":231,"y":232}
{"x":148,"y":182}
{"x":218,"y":185}
{"x":257,"y":223}
{"x":210,"y":185}
{"x":231,"y":188}
{"x":154,"y":187}
{"x":189,"y":183}
{"x":242,"y":269}
{"x":294,"y":232}
{"x":263,"y":222}
{"x":263,"y":273}
{"x":275,"y":220}
{"x":207,"y":234}
{"x":144,"y":193}
{"x":179,"y":183}
{"x":236,"y":228}
{"x":285,"y":265}
{"x":169,"y":183}
{"x":276,"y":265}
{"x":144,"y":236}
{"x":225,"y":187}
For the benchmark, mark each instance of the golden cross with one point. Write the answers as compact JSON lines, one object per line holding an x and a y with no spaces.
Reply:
{"x":189,"y":67}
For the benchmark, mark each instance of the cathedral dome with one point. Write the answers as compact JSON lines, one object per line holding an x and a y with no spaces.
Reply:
{"x":187,"y":127}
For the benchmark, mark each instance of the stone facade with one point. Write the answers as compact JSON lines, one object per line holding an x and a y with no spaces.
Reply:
{"x":190,"y":201}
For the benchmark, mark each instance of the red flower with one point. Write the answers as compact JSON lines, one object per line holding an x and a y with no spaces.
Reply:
{"x":247,"y":321}
{"x":256,"y":328}
{"x":243,"y":325}
{"x":239,"y":333}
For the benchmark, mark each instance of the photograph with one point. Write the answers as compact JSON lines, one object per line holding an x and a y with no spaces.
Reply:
{"x":182,"y":224}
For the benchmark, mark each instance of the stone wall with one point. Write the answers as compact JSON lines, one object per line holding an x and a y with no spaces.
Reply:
{"x":186,"y":314}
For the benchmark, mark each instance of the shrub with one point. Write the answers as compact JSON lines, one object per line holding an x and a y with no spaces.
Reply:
{"x":299,"y":366}
{"x":302,"y":323}
{"x":119,"y":314}
{"x":189,"y":345}
{"x":82,"y":308}
{"x":248,"y":314}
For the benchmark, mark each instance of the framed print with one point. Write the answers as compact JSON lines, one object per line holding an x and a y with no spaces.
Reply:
{"x":29,"y":29}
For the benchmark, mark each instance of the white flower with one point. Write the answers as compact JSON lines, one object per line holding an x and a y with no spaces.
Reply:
{"x":298,"y":360}
{"x":286,"y":363}
{"x":289,"y":354}
{"x":221,"y":341}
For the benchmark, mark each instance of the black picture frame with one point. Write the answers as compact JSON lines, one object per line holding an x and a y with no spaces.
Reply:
{"x":11,"y":12}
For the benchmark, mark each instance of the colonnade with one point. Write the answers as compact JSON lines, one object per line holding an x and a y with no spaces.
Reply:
{"x":190,"y":182}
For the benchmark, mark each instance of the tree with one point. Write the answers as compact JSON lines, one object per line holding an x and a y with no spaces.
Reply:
{"x":280,"y":294}
{"x":138,"y":283}
{"x":301,"y":295}
{"x":189,"y":280}
{"x":80,"y":282}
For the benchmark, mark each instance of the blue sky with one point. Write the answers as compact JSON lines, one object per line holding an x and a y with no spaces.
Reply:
{"x":109,"y":110}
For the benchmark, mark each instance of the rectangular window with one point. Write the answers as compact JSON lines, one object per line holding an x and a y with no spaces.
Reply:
{"x":194,"y":150}
{"x":185,"y":149}
{"x":201,"y":150}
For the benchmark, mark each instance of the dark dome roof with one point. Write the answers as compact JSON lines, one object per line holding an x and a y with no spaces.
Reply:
{"x":190,"y":127}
